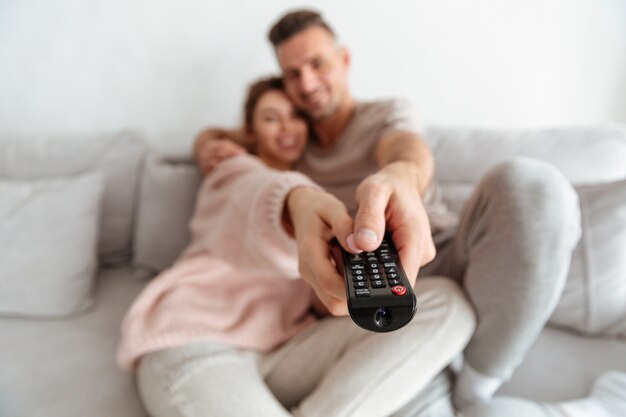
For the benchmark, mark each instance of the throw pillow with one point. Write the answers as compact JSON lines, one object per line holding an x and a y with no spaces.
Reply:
{"x":594,"y":299}
{"x":118,"y":156}
{"x":167,"y":197}
{"x":48,"y":236}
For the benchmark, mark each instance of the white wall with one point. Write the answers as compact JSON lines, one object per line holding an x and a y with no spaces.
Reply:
{"x":75,"y":66}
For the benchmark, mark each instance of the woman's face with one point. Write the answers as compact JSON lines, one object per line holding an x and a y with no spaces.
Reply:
{"x":279,"y":132}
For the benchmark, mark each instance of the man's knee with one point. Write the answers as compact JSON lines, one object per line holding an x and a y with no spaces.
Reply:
{"x":442,"y":292}
{"x":536,"y":190}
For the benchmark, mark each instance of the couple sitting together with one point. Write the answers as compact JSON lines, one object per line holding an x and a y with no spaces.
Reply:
{"x":252,"y":318}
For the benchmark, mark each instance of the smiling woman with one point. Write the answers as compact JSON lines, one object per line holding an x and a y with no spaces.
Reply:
{"x":275,"y":130}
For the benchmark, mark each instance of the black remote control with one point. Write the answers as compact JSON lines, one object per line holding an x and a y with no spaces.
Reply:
{"x":380,"y":297}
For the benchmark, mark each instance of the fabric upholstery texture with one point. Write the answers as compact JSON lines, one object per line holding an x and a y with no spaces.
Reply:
{"x":586,"y":155}
{"x":118,"y":156}
{"x":48,"y":236}
{"x":66,"y":368}
{"x":166,"y":202}
{"x":594,"y":299}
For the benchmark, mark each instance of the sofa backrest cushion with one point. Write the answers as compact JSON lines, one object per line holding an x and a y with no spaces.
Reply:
{"x":118,"y":156}
{"x":586,"y":155}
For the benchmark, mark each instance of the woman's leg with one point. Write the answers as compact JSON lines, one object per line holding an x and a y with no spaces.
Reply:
{"x":338,"y":369}
{"x":205,"y":380}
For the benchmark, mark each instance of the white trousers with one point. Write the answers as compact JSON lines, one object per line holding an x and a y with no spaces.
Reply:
{"x":331,"y":369}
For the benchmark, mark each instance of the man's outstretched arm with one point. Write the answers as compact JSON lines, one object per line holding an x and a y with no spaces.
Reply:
{"x":214,"y":145}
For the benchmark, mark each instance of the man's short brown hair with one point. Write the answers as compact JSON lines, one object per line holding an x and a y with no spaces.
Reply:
{"x":295,"y":22}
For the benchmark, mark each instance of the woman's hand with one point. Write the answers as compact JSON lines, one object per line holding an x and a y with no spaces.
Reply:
{"x":317,"y":217}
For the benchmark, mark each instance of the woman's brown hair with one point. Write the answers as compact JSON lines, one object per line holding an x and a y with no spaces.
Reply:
{"x":255,"y":92}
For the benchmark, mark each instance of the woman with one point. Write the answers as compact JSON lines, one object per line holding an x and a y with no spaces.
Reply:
{"x":230,"y":329}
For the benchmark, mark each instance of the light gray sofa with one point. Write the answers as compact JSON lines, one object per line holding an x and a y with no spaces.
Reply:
{"x":85,"y":222}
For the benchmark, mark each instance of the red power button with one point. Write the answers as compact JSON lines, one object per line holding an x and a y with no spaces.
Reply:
{"x":398,"y":290}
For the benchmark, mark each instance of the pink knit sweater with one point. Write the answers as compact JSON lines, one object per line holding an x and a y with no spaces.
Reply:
{"x":237,"y":282}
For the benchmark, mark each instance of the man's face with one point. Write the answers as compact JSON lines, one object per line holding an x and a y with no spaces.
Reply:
{"x":314,"y":71}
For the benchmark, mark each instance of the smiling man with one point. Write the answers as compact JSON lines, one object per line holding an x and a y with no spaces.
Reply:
{"x":372,"y":157}
{"x":510,"y":249}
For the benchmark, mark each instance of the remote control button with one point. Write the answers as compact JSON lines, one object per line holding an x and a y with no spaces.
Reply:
{"x":392,"y":276}
{"x":394,"y":282}
{"x":373,"y":265}
{"x":370,"y":254}
{"x":356,"y":257}
{"x":360,"y":284}
{"x":398,"y":290}
{"x":358,"y":272}
{"x":358,"y":278}
{"x":374,"y":271}
{"x":378,"y":284}
{"x":392,"y":270}
{"x":376,"y":276}
{"x":390,"y":265}
{"x":362,"y":292}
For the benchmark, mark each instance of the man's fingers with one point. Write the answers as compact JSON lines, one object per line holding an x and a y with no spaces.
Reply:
{"x":409,"y":253}
{"x":369,"y":223}
{"x":414,"y":249}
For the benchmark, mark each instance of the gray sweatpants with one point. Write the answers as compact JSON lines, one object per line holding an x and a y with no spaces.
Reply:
{"x":511,"y":252}
{"x":331,"y":369}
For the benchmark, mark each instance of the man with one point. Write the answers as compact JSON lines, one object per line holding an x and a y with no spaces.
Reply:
{"x":511,"y":248}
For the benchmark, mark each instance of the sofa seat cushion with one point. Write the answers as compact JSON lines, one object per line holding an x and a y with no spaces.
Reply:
{"x":67,"y":367}
{"x":562,"y":366}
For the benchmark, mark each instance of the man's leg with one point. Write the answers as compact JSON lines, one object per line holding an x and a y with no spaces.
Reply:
{"x":338,"y":369}
{"x":432,"y":401}
{"x":512,"y":252}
